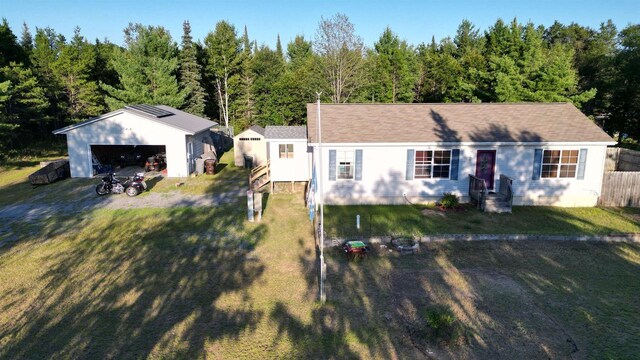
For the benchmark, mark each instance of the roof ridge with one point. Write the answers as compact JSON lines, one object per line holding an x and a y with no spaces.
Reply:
{"x":446,"y":104}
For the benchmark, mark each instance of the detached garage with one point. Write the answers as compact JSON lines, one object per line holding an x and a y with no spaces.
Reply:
{"x":144,"y":128}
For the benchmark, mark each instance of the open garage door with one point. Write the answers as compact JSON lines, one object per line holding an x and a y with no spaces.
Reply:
{"x":135,"y":158}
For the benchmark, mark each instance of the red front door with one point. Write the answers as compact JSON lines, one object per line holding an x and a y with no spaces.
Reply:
{"x":485,"y":166}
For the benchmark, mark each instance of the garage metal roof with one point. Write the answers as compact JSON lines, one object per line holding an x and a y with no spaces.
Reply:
{"x":175,"y":118}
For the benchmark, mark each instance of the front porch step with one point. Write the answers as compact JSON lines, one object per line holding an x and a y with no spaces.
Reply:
{"x":496,"y":203}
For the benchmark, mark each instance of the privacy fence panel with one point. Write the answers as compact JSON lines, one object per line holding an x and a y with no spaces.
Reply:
{"x":621,"y":188}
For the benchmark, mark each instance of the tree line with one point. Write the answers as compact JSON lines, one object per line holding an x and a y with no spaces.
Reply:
{"x":48,"y":81}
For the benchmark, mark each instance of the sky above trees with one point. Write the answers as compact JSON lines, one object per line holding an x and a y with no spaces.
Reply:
{"x":415,"y":21}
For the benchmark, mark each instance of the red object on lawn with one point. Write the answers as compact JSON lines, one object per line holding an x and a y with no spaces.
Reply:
{"x":355,"y":247}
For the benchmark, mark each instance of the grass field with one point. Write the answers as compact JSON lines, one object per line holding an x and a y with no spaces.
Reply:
{"x":205,"y":283}
{"x":425,"y":220}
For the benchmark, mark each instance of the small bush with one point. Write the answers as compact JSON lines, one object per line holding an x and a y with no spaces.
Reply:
{"x":444,"y":326}
{"x":449,"y":201}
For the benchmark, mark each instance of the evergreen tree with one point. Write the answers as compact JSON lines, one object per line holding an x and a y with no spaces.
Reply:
{"x":74,"y":67}
{"x":191,"y":75}
{"x":244,"y":106}
{"x":10,"y":50}
{"x":625,"y":102}
{"x":224,"y":65}
{"x":24,"y":101}
{"x":393,"y":70}
{"x":26,"y":40}
{"x":47,"y":48}
{"x":268,"y":67}
{"x":146,"y":69}
{"x":279,"y":48}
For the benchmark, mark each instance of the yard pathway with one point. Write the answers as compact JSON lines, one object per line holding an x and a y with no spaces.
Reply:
{"x":85,"y":199}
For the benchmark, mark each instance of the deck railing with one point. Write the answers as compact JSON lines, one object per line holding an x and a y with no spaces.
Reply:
{"x":477,"y":190}
{"x":260,"y":171}
{"x":506,"y":188}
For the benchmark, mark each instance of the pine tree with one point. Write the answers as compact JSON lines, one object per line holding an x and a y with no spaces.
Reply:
{"x":244,"y":106}
{"x":394,"y":71}
{"x":191,"y":75}
{"x":279,"y":48}
{"x":146,"y":69}
{"x":74,"y":67}
{"x":10,"y":50}
{"x":24,"y":101}
{"x":26,"y":40}
{"x":47,"y":48}
{"x":268,"y":67}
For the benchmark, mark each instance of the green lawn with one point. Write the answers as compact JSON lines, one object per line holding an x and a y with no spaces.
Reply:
{"x":205,"y":283}
{"x":423,"y":220}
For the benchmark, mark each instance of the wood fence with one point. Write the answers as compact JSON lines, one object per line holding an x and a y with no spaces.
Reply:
{"x":619,"y":159}
{"x":620,"y":188}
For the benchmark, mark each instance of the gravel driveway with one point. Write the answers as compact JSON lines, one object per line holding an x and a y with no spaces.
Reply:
{"x":86,"y":199}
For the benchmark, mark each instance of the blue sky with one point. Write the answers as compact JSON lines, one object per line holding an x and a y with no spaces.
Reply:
{"x":415,"y":21}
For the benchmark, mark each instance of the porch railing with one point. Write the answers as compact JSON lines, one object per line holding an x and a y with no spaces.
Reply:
{"x":477,"y":190}
{"x":506,"y":188}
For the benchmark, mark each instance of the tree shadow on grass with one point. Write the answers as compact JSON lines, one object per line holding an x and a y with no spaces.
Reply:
{"x":117,"y":290}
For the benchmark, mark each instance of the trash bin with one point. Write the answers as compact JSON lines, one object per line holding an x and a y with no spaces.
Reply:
{"x":210,"y":166}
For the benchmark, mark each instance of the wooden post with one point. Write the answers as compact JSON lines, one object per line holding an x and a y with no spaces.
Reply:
{"x":250,"y":205}
{"x":257,"y":205}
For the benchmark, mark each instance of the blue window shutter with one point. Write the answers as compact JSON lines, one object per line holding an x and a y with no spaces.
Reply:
{"x":332,"y":165}
{"x":582,"y":163}
{"x":358,"y":164}
{"x":537,"y":164}
{"x":410,"y":161}
{"x":455,"y":160}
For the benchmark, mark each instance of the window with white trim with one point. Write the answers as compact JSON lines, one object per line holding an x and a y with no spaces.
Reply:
{"x":286,"y":151}
{"x":345,"y":162}
{"x":434,"y":164}
{"x":559,"y":163}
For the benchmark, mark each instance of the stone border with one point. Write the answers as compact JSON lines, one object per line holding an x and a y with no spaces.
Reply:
{"x":627,"y":237}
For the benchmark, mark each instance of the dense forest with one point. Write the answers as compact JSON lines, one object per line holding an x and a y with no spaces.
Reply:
{"x":48,"y":81}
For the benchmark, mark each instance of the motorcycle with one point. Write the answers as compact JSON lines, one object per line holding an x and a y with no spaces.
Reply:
{"x":132,"y":186}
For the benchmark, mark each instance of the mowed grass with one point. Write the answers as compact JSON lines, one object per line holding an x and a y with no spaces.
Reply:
{"x":424,"y":220}
{"x":157,"y":283}
{"x":515,"y":300}
{"x":195,"y":283}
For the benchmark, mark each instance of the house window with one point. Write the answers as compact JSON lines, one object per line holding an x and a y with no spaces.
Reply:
{"x":559,"y":163}
{"x":432,"y":164}
{"x":249,"y":139}
{"x":286,"y":151}
{"x":345,"y":164}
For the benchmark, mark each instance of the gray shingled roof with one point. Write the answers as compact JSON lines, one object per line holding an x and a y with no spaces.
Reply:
{"x":257,"y":128}
{"x":285,"y":132}
{"x":181,"y":120}
{"x":486,"y":122}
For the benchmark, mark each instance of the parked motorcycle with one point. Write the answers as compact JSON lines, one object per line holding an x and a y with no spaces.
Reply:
{"x":132,"y":186}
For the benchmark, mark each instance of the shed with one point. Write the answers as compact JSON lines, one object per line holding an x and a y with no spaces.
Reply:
{"x":143,"y":130}
{"x":250,"y":147}
{"x":288,"y":154}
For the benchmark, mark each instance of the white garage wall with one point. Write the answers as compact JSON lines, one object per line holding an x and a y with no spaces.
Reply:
{"x":126,"y":129}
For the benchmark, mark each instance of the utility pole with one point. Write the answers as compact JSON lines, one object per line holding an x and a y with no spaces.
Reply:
{"x":323,"y":267}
